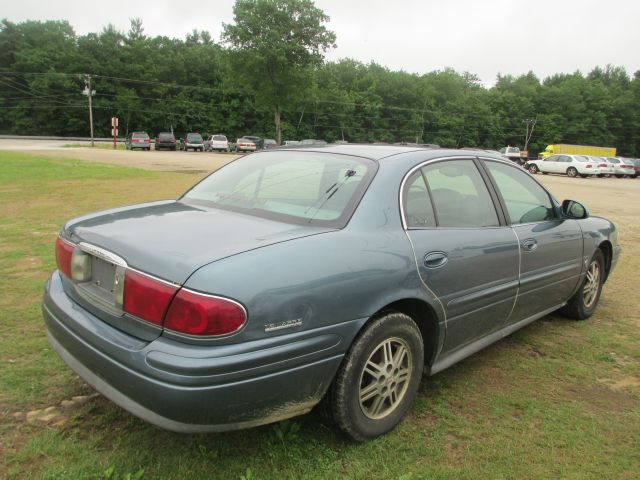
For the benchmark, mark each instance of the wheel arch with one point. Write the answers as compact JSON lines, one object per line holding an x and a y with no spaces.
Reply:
{"x":425,"y":317}
{"x":607,"y":250}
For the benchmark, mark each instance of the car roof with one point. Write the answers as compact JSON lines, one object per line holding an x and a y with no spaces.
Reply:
{"x":379,"y":152}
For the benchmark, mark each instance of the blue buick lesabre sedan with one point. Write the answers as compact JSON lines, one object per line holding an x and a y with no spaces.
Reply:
{"x":337,"y":272}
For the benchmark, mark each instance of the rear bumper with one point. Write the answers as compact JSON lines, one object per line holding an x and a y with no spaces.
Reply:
{"x":188,"y":388}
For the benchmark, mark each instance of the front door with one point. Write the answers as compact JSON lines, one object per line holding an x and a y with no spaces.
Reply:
{"x":550,"y":247}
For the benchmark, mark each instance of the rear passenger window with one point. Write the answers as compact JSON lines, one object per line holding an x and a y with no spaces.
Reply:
{"x":417,"y":205}
{"x":526,"y":201}
{"x":460,"y":196}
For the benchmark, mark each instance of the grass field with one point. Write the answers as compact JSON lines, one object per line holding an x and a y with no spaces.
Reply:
{"x":104,"y":146}
{"x":559,"y":399}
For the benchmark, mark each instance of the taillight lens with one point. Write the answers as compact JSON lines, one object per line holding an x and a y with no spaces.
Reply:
{"x":146,"y":297}
{"x":589,"y":166}
{"x":204,"y":315}
{"x":603,"y":165}
{"x":64,"y":252}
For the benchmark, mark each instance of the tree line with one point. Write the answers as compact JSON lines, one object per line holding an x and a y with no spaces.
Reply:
{"x":248,"y":86}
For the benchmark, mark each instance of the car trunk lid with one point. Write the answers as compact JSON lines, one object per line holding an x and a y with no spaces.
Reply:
{"x":167,"y":241}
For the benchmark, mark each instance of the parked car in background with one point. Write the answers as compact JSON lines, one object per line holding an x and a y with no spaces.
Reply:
{"x":570,"y":165}
{"x":245,"y":145}
{"x":192,"y":141}
{"x":165,"y":140}
{"x":620,"y":168}
{"x":636,"y":166}
{"x":288,"y":143}
{"x":269,"y":144}
{"x":139,"y":140}
{"x":217,"y":142}
{"x":514,"y":154}
{"x":605,"y":169}
{"x":231,"y":307}
{"x":258,"y":141}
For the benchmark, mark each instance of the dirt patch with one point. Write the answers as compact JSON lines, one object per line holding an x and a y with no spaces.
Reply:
{"x":604,"y":399}
{"x":56,"y":415}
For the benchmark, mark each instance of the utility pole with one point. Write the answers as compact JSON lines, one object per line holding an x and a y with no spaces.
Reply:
{"x":89,"y":93}
{"x":527,"y":136}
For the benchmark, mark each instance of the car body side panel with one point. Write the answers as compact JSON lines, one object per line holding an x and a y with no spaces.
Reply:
{"x":477,"y":284}
{"x":550,"y":272}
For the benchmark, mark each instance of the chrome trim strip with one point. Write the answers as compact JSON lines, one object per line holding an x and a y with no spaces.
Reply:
{"x":410,"y":172}
{"x":103,"y":254}
{"x":68,"y":242}
{"x":144,"y":274}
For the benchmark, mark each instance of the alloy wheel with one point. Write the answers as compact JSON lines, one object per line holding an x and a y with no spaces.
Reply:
{"x":385,"y":378}
{"x":591,"y":284}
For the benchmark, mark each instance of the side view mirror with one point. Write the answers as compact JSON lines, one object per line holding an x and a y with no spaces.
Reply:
{"x":573,"y":209}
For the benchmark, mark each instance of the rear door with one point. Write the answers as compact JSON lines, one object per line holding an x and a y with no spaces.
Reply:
{"x":551,"y":248}
{"x":466,"y":254}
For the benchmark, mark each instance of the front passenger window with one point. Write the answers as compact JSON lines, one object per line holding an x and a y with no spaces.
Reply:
{"x":526,"y":201}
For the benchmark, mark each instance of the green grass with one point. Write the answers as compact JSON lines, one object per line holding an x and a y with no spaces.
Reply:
{"x":555,"y":400}
{"x":102,"y":145}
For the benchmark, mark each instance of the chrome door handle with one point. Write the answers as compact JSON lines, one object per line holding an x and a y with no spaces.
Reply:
{"x":435,"y":259}
{"x":529,"y":245}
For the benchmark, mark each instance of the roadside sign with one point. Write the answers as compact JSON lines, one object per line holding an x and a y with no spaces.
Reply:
{"x":114,"y":121}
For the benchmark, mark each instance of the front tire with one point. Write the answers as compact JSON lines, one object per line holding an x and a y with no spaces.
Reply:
{"x":584,"y":302}
{"x":379,"y":377}
{"x":533,"y":169}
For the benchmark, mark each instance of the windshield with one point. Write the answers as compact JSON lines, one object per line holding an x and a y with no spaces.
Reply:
{"x":304,"y":188}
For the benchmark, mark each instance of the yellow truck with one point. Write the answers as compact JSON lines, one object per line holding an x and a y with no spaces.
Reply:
{"x":578,"y":150}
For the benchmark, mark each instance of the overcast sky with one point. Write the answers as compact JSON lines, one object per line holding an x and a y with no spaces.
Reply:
{"x":484,"y":37}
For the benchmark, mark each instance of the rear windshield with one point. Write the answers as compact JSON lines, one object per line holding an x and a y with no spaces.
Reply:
{"x":219,"y":138}
{"x":304,"y":188}
{"x":582,"y":158}
{"x":613,"y":160}
{"x":140,"y":135}
{"x":166,"y":136}
{"x":194,"y":137}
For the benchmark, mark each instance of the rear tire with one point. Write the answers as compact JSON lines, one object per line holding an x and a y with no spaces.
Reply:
{"x":379,"y":377}
{"x":619,"y":175}
{"x":584,"y":302}
{"x":584,"y":175}
{"x":572,"y":172}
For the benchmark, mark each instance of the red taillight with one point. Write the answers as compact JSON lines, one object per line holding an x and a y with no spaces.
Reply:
{"x":197,"y":314}
{"x":64,"y":251}
{"x":157,"y":140}
{"x":603,"y":165}
{"x":173,"y":141}
{"x":146,"y":297}
{"x":589,"y":166}
{"x":146,"y":140}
